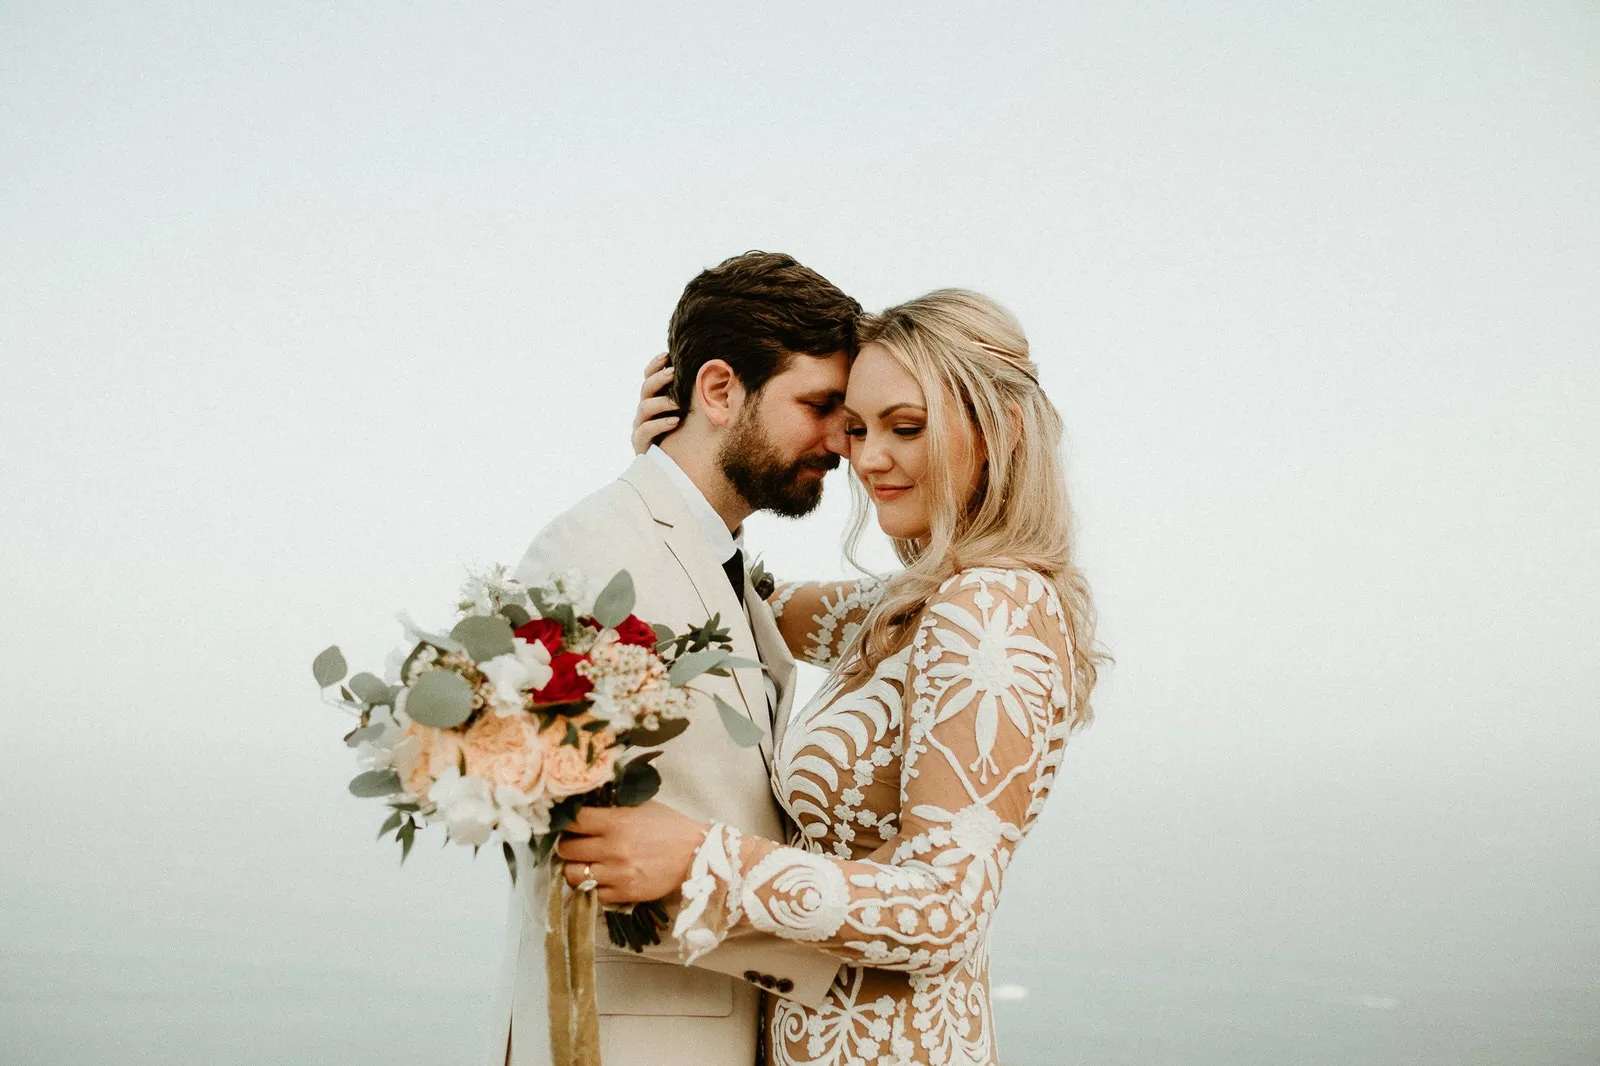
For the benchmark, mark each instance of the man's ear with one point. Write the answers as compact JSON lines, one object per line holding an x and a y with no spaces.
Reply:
{"x":718,"y":392}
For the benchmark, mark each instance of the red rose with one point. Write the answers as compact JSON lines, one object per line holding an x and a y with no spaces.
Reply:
{"x":546,"y":631}
{"x":567,"y":685}
{"x":633,"y":630}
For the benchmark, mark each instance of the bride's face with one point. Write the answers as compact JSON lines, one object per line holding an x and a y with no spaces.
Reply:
{"x":886,"y":419}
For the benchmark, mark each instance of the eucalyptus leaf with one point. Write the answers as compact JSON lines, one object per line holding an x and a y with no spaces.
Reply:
{"x":390,"y":824}
{"x":329,"y":666}
{"x":440,"y":698}
{"x":640,"y":782}
{"x":666,"y":731}
{"x":741,"y":663}
{"x":562,"y":815}
{"x":406,"y":836}
{"x":411,"y":657}
{"x":516,"y":614}
{"x":664,"y":634}
{"x":692,"y":665}
{"x":615,"y":602}
{"x":484,"y":637}
{"x":370,"y":689}
{"x":739,"y":727}
{"x":375,"y":783}
{"x":365,"y":733}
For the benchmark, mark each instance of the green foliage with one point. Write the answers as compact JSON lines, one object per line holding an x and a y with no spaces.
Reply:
{"x":743,"y":731}
{"x":637,"y":928}
{"x":390,"y":824}
{"x":516,"y":614}
{"x":366,"y":732}
{"x":440,"y":698}
{"x":375,"y":783}
{"x":615,"y":601}
{"x":483,"y":637}
{"x":692,"y":664}
{"x":640,"y":781}
{"x":664,"y":732}
{"x":371,"y":690}
{"x":511,"y":860}
{"x":407,"y":836}
{"x":329,"y":666}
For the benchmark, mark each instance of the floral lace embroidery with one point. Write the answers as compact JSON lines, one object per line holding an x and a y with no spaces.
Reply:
{"x":948,"y":754}
{"x":781,"y":600}
{"x":699,"y":926}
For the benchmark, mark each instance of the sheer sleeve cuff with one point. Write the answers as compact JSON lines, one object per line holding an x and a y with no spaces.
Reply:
{"x":711,"y":895}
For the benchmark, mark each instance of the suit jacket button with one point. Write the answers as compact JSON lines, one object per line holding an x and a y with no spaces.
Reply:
{"x":751,"y":975}
{"x":768,"y":981}
{"x":785,"y":985}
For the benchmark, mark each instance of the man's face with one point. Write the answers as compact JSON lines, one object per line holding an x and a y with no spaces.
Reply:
{"x":788,"y":436}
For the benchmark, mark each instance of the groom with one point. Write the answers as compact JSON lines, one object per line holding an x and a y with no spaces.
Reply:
{"x":760,"y":347}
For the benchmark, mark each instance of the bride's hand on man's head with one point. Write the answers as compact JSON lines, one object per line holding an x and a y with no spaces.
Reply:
{"x":657,"y":414}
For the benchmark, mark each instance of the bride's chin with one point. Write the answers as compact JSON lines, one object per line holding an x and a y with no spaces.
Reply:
{"x":900,"y":530}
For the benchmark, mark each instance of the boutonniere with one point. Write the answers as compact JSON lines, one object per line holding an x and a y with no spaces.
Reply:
{"x":762,"y":581}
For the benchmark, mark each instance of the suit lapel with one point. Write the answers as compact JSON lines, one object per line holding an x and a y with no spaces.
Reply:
{"x":684,"y":540}
{"x":775,"y":654}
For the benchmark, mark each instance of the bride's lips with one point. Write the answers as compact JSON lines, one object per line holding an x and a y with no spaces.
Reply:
{"x":885,"y":493}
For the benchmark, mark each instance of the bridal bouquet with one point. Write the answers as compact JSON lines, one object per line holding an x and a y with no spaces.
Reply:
{"x":537,"y":703}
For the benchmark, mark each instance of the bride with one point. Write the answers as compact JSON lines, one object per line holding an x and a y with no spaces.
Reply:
{"x":915,"y":773}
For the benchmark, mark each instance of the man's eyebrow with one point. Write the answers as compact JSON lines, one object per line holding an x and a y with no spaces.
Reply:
{"x":833,"y":396}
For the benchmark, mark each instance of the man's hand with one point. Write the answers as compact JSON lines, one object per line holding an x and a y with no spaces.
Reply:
{"x":657,"y":414}
{"x":634,"y":854}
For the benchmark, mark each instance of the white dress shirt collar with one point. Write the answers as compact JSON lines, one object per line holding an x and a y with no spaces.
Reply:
{"x":722,"y":543}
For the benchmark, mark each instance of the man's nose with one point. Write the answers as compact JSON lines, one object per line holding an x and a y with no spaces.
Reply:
{"x":835,"y":439}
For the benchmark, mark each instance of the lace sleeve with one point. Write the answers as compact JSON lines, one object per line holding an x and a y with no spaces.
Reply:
{"x":987,"y":714}
{"x":819,"y":619}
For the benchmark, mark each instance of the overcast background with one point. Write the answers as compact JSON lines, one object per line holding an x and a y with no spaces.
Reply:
{"x":304,"y":306}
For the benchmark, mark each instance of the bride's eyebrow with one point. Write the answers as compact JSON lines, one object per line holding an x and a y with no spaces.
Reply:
{"x":887,"y":411}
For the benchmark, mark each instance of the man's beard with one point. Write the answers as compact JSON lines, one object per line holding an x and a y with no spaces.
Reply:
{"x":766,"y":480}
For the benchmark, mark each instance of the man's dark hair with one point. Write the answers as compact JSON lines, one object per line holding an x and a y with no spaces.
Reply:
{"x":754,"y":312}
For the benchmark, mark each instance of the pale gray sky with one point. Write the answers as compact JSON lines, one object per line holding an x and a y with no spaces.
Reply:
{"x":307,"y":305}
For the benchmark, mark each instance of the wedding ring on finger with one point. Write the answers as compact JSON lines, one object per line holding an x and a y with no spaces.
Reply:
{"x":588,"y":884}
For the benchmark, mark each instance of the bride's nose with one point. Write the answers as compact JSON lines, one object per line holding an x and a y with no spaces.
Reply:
{"x":871,"y":456}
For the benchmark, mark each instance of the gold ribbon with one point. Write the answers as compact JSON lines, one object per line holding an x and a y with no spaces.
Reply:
{"x":569,"y":974}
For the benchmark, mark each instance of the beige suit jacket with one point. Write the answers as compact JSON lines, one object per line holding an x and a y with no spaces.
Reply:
{"x":652,"y":1009}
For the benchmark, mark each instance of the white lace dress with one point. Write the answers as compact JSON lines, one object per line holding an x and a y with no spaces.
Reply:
{"x":911,"y":792}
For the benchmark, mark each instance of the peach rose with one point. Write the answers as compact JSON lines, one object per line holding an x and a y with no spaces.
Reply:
{"x":568,"y":770}
{"x":506,"y":751}
{"x":437,"y":749}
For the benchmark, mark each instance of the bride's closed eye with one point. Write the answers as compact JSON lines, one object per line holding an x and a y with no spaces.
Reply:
{"x":860,"y":432}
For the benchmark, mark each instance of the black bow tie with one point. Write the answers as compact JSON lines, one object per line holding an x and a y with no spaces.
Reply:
{"x":734,"y":568}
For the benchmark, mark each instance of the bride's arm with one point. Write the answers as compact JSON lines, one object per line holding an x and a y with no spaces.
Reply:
{"x":818,"y":619}
{"x":987,"y":712}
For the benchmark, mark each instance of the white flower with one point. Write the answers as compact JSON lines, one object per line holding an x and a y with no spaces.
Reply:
{"x":526,"y":666}
{"x":519,"y":817}
{"x":464,"y":805}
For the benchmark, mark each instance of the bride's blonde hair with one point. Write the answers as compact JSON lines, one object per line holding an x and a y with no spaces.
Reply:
{"x":970,"y":357}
